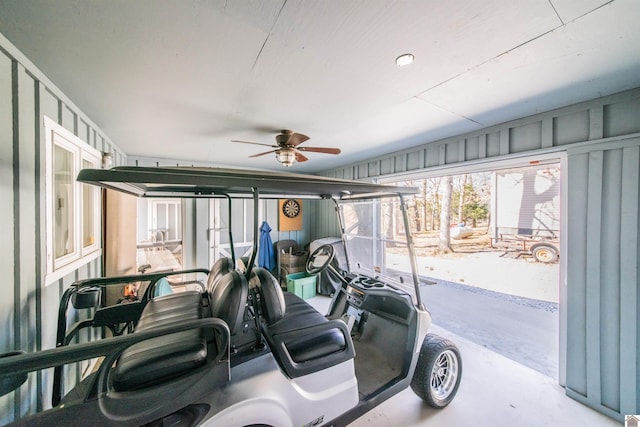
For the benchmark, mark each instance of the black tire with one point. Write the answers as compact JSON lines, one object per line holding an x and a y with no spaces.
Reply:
{"x":438,"y":372}
{"x":545,"y":253}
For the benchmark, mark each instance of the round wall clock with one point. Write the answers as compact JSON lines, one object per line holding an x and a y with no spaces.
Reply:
{"x":291,"y":208}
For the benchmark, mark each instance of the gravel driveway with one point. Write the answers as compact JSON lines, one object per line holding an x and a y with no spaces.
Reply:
{"x":488,"y":270}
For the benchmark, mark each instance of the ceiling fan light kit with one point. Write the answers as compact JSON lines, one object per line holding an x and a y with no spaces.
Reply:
{"x":286,"y":156}
{"x":286,"y":149}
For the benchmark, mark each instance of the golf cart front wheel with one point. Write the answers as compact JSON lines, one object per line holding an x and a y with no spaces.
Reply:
{"x":438,"y":372}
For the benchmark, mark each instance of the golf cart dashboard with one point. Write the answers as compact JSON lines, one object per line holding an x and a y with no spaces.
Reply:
{"x":374,"y":296}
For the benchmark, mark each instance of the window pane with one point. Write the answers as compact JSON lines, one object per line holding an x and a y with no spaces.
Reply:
{"x":160,"y":245}
{"x":89,"y":195}
{"x":161,"y":220}
{"x":63,"y":237}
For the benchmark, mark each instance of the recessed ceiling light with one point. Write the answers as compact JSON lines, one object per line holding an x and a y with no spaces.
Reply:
{"x":405,"y":59}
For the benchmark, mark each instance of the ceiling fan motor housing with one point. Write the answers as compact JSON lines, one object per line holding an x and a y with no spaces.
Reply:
{"x":282,"y":139}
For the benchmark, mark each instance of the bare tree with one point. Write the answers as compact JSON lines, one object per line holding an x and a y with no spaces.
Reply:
{"x":445,"y":217}
{"x":424,"y":205}
{"x":436,"y":203}
{"x":463,"y":187}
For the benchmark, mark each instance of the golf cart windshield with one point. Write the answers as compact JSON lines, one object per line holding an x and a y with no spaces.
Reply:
{"x":376,"y":241}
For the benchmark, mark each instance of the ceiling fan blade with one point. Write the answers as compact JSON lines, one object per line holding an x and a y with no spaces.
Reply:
{"x":301,"y":158}
{"x":254,"y":143}
{"x":262,"y":154}
{"x":320,"y":150}
{"x":296,"y":139}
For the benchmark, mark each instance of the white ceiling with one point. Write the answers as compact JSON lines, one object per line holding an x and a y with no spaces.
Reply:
{"x":179,"y":79}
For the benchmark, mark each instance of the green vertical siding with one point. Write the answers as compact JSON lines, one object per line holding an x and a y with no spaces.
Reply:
{"x":28,"y":308}
{"x":602,"y":280}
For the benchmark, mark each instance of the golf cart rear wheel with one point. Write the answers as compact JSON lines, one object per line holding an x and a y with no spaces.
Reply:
{"x":438,"y":371}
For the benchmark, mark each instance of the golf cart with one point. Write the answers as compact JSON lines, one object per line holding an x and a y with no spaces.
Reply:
{"x":231,"y":348}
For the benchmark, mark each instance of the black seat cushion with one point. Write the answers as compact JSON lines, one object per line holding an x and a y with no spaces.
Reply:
{"x":313,"y":346}
{"x":159,"y":359}
{"x":302,"y":340}
{"x":169,"y":308}
{"x":298,"y":314}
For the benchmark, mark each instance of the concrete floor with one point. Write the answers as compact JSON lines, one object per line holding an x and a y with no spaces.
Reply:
{"x":495,"y":391}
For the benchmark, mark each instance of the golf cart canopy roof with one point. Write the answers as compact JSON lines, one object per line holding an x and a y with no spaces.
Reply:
{"x":212,"y":182}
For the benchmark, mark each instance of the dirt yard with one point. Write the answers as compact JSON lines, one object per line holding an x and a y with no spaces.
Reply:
{"x":475,"y":263}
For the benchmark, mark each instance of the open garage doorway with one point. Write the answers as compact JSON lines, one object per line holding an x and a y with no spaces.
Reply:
{"x":497,"y":277}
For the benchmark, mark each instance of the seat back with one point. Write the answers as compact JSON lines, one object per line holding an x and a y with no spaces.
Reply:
{"x":221,"y":267}
{"x":228,"y":299}
{"x":272,"y":301}
{"x":301,"y":339}
{"x":165,"y":357}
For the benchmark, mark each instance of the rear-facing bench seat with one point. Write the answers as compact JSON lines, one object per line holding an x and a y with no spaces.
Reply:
{"x":301,"y":339}
{"x":159,"y":359}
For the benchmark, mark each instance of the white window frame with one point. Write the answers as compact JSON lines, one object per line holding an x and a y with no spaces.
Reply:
{"x":165,"y":204}
{"x":56,"y":268}
{"x":95,"y":192}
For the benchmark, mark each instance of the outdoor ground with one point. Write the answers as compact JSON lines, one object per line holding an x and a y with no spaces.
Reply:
{"x":475,"y":262}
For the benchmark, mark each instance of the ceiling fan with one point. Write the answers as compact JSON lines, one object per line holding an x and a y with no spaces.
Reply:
{"x":287,"y":150}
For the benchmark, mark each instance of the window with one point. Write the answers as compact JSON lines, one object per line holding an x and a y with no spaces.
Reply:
{"x":159,"y":235}
{"x":164,"y":217}
{"x":72,"y":208}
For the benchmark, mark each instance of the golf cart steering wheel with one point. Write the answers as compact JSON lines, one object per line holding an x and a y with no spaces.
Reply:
{"x":319,"y":259}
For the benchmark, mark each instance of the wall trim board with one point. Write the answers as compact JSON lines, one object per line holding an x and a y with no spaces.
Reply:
{"x":629,"y":293}
{"x":480,"y":165}
{"x":17,"y":303}
{"x":593,"y":271}
{"x":612,"y":143}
